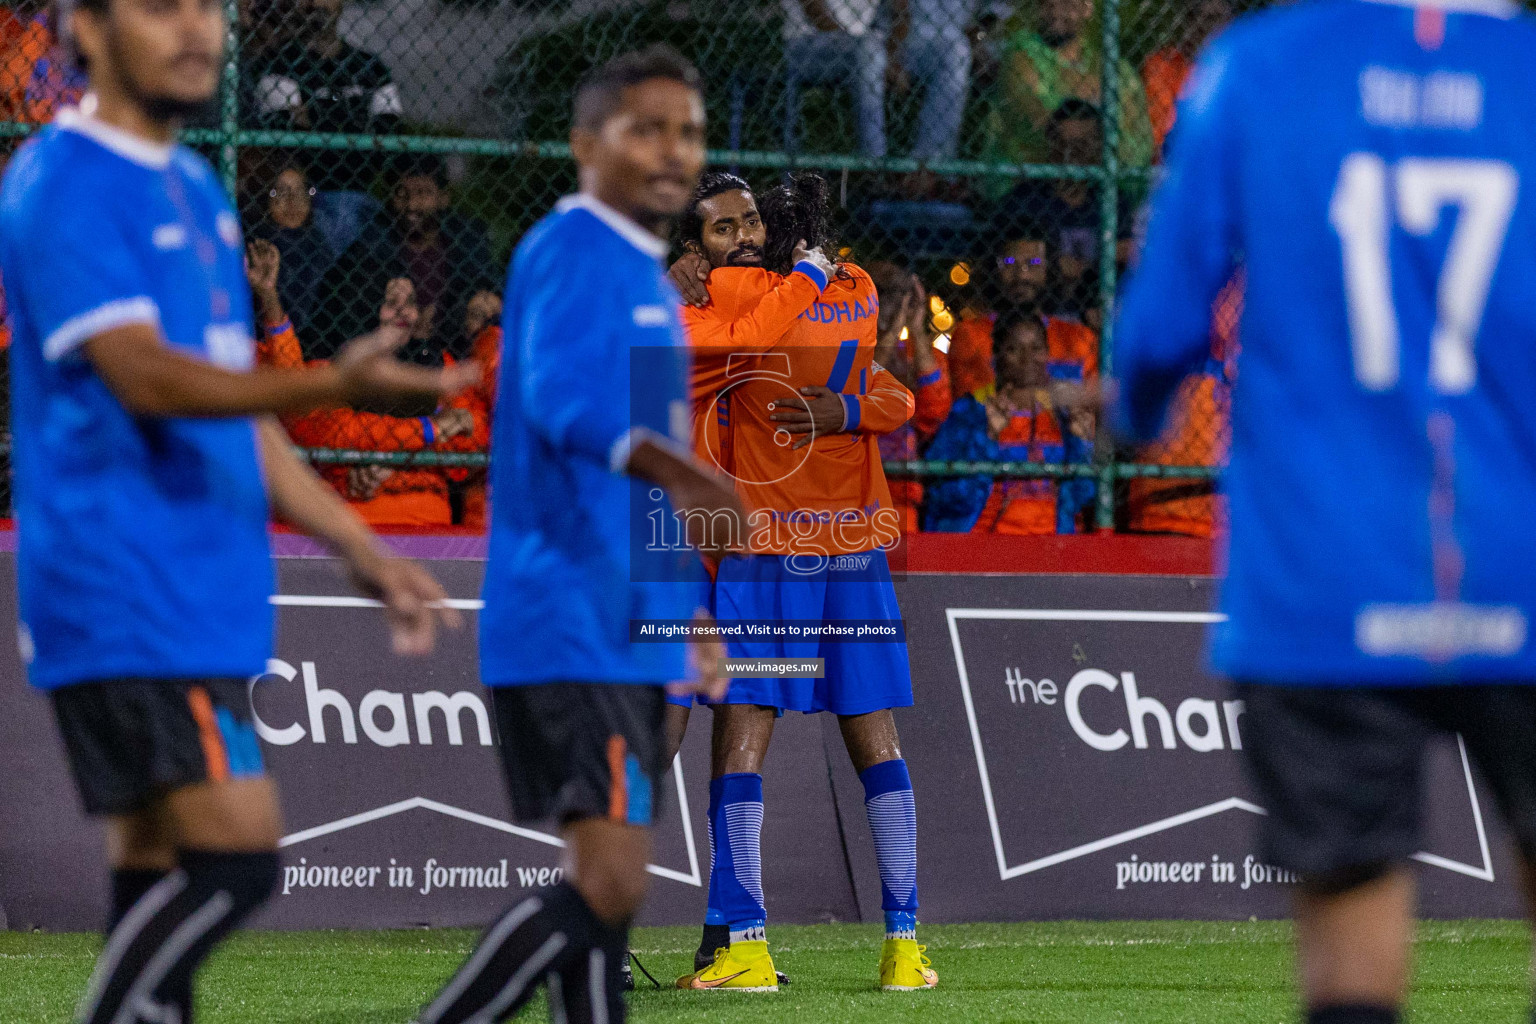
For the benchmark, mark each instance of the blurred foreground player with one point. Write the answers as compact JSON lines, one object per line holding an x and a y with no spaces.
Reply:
{"x":592,"y":425}
{"x":1372,"y":164}
{"x":147,"y":459}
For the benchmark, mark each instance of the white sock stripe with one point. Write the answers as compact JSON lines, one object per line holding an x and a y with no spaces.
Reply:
{"x":556,"y":989}
{"x":597,"y":985}
{"x":744,"y":834}
{"x":198,"y":924}
{"x":893,"y":822}
{"x":150,"y":904}
{"x":493,"y":941}
{"x":494,"y":1010}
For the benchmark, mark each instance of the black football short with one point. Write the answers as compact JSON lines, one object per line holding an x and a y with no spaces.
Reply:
{"x":1341,"y":771}
{"x":575,"y":751}
{"x":131,"y":741}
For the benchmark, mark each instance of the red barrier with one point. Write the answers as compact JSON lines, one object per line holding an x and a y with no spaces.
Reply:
{"x":1099,"y":553}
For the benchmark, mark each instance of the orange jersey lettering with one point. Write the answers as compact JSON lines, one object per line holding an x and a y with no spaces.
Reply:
{"x":829,"y":497}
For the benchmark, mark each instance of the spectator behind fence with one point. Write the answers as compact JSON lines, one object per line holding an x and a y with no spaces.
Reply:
{"x":315,"y":81}
{"x":1019,"y":283}
{"x":37,"y":75}
{"x":382,"y":495}
{"x":839,"y":43}
{"x":1069,"y":210}
{"x":1165,"y":72}
{"x":935,"y":51}
{"x":288,"y":223}
{"x":1198,"y":432}
{"x":1012,"y":420}
{"x":913,"y":361}
{"x":482,"y":326}
{"x":1049,"y":61}
{"x":417,"y":236}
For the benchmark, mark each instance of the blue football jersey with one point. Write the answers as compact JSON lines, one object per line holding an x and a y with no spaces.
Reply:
{"x":1370,"y":166}
{"x":142,"y":542}
{"x":593,"y":360}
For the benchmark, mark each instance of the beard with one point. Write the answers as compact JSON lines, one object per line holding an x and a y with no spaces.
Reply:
{"x":170,"y":109}
{"x":1023,"y":298}
{"x":746,"y":256}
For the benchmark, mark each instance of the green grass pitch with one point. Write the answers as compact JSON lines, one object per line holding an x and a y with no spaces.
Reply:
{"x":1063,"y":973}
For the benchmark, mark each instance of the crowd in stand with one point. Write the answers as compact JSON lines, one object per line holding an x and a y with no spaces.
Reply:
{"x":343,"y":242}
{"x":984,"y":387}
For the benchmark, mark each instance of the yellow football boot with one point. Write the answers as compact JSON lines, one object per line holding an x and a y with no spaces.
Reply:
{"x":904,"y":968}
{"x":739,"y":967}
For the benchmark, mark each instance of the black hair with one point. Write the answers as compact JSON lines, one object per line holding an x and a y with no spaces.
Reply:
{"x":418,"y":165}
{"x":56,"y":19}
{"x":600,"y":93}
{"x":292,"y":160}
{"x":799,"y":210}
{"x":690,"y":226}
{"x":1013,"y":317}
{"x":1015,"y":225}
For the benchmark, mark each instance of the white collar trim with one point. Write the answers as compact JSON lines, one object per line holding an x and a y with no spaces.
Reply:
{"x":1495,"y":8}
{"x":154,"y":155}
{"x":625,"y":228}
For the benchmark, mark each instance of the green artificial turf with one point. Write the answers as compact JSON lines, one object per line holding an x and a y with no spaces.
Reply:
{"x":1083,"y":973}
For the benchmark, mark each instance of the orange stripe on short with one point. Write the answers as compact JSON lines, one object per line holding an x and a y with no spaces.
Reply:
{"x":214,"y":754}
{"x":618,"y":785}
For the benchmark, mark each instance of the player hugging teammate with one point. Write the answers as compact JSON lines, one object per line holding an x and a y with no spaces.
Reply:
{"x":790,"y":403}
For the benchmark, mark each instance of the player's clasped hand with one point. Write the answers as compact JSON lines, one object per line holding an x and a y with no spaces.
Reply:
{"x":690,"y":276}
{"x":823,"y":412}
{"x":370,"y":373}
{"x":818,"y":259}
{"x":414,"y":602}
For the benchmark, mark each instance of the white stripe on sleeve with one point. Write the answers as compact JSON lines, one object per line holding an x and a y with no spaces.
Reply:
{"x":75,"y":331}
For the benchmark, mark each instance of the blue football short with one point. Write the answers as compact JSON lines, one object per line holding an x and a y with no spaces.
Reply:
{"x":860,"y":676}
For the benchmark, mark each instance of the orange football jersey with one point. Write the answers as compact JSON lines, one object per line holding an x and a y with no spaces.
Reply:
{"x":829,"y":497}
{"x":750,"y":310}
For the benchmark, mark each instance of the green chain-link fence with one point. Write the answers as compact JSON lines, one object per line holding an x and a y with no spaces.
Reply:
{"x":989,"y":158}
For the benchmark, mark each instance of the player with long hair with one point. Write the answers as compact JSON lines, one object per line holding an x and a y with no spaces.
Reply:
{"x":802,"y":432}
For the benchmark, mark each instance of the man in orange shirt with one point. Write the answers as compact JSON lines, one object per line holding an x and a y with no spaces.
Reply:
{"x":1198,"y":432}
{"x":820,"y":517}
{"x":1022,"y":268}
{"x":1166,"y":71}
{"x":906,"y":349}
{"x":381,"y":495}
{"x":37,"y":77}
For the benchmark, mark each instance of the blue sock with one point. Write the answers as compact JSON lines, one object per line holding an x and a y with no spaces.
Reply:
{"x":893,"y":821}
{"x":736,"y":874}
{"x":712,"y":912}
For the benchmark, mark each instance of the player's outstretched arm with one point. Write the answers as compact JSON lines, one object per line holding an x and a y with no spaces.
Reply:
{"x":152,"y":378}
{"x":413,"y":600}
{"x":706,"y":501}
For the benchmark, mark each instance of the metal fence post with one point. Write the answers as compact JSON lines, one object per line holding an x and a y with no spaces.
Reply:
{"x":1109,"y":216}
{"x":229,"y":107}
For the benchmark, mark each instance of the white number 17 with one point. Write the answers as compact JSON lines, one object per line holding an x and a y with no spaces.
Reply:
{"x":1485,"y":191}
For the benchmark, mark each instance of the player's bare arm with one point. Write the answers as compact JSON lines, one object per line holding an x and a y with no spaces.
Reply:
{"x":151,"y":378}
{"x":413,"y":600}
{"x":692,"y":488}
